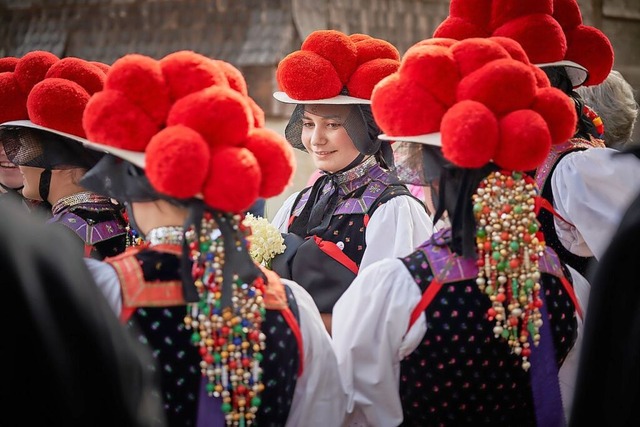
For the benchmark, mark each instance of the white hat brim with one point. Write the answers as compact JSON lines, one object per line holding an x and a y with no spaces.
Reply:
{"x":576,"y":72}
{"x":432,"y":139}
{"x":135,"y":157}
{"x":338,"y":100}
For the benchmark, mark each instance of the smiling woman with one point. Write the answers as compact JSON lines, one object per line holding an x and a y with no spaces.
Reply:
{"x":330,"y":80}
{"x":10,"y":176}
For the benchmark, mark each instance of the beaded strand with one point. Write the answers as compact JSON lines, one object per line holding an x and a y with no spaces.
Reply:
{"x":509,"y":247}
{"x":229,"y":339}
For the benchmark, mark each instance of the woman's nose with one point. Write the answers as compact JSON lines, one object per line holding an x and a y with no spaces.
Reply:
{"x":318,"y":137}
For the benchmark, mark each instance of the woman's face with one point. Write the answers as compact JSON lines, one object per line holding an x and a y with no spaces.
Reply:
{"x":31,"y":179}
{"x":325,"y":137}
{"x":10,"y":175}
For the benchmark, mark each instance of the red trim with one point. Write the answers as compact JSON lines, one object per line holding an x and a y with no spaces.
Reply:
{"x":87,"y":250}
{"x":366,"y":220}
{"x":291,"y":219}
{"x":334,"y":252}
{"x":572,"y":295}
{"x":295,"y":328}
{"x":542,"y":203}
{"x":427,"y":297}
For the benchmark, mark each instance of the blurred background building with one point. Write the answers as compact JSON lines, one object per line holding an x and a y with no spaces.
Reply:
{"x":255,"y":35}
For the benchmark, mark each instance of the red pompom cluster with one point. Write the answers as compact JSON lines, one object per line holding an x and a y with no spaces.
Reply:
{"x":330,"y":60}
{"x":49,"y":91}
{"x":482,"y":95}
{"x":548,"y":30}
{"x":201,"y":133}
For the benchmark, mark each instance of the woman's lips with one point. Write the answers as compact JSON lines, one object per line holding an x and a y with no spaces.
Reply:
{"x":8,"y":165}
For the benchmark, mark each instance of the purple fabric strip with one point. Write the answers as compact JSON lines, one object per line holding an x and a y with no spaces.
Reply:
{"x":547,"y":399}
{"x":209,"y":408}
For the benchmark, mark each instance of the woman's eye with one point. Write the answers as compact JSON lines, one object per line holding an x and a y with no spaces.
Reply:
{"x":307,"y":124}
{"x":334,"y":125}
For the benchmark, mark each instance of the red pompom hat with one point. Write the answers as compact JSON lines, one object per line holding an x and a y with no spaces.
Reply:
{"x":188,"y":121}
{"x":550,"y":31}
{"x":479,"y":101}
{"x":334,"y":68}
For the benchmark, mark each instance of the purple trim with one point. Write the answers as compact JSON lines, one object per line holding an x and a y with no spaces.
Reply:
{"x":545,"y":386}
{"x":209,"y":408}
{"x":90,"y":234}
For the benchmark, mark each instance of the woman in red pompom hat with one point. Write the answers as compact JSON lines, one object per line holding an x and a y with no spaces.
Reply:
{"x":483,"y":306}
{"x":330,"y":80}
{"x":43,"y":135}
{"x":572,"y":55}
{"x":243,"y":346}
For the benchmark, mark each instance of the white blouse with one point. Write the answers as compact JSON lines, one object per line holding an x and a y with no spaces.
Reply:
{"x":372,"y":339}
{"x":319,"y":398}
{"x":592,"y":190}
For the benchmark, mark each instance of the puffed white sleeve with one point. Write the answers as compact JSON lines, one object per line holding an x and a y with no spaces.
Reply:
{"x":568,"y":372}
{"x":592,"y":189}
{"x":395,"y":229}
{"x":281,"y":218}
{"x":107,"y":280}
{"x":319,"y":398}
{"x":370,"y":337}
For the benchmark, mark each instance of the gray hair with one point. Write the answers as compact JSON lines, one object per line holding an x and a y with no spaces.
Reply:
{"x":615,"y":103}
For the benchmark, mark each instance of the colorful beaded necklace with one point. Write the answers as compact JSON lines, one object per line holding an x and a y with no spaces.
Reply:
{"x":509,"y":247}
{"x":229,"y":338}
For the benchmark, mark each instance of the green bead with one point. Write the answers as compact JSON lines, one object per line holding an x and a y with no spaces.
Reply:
{"x":533,"y":227}
{"x":505,"y":333}
{"x":495,"y":245}
{"x":195,"y":337}
{"x":488,"y":290}
{"x":258,"y":356}
{"x":514,"y":246}
{"x":477,"y":207}
{"x":204,"y":246}
{"x":496,"y":255}
{"x":237,"y":329}
{"x":241,"y":423}
{"x":256,"y":401}
{"x":531,"y":328}
{"x":226,"y":407}
{"x":516,"y":175}
{"x":502,"y":266}
{"x":481,"y":232}
{"x":216,"y":357}
{"x":210,"y":387}
{"x":528,"y":284}
{"x":517,"y":209}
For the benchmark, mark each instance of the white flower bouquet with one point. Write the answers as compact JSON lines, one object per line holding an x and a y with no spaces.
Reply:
{"x":265,"y":241}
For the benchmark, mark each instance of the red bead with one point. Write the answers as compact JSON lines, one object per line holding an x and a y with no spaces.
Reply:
{"x":514,"y":263}
{"x":202,"y":350}
{"x":500,"y":297}
{"x":504,"y":235}
{"x":526,"y":352}
{"x":208,"y":358}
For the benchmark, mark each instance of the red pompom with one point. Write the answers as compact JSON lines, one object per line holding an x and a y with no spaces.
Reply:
{"x":469,"y":134}
{"x":356,"y":37}
{"x":8,"y":63}
{"x":369,"y":74}
{"x":567,"y":13}
{"x":369,"y":49}
{"x":32,"y":68}
{"x":187,"y":72}
{"x":335,"y":47}
{"x":471,"y":54}
{"x":459,"y":29}
{"x":434,"y":68}
{"x":140,"y":78}
{"x":103,"y":67}
{"x":505,"y":10}
{"x":275,"y":157}
{"x":524,"y":141}
{"x":58,"y":104}
{"x":539,"y":35}
{"x":90,"y":77}
{"x":234,"y":76}
{"x":308,"y":76}
{"x":542,"y":80}
{"x":233,"y":183}
{"x":403,"y":108}
{"x":436,"y":41}
{"x":258,"y":113}
{"x":14,"y":99}
{"x":112,"y":119}
{"x":513,"y":48}
{"x":559,"y":111}
{"x":504,"y":85}
{"x":590,"y":48}
{"x":177,"y":162}
{"x":220,"y":114}
{"x":477,"y":12}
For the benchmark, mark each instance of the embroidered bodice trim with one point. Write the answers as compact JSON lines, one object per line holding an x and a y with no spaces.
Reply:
{"x":171,"y":235}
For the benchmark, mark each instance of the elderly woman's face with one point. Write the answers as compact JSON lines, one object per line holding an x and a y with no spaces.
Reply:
{"x":325,"y":137}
